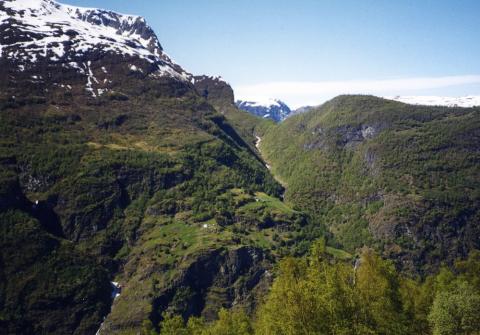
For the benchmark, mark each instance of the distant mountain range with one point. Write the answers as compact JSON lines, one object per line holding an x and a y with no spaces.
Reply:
{"x":466,"y":101}
{"x":278,"y":111}
{"x":273,"y":109}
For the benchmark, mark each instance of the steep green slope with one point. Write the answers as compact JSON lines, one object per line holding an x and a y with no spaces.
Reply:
{"x":403,"y":178}
{"x":114,"y":168}
{"x":161,"y":191}
{"x":39,"y":273}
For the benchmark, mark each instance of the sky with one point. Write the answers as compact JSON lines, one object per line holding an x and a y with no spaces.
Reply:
{"x":307,"y":51}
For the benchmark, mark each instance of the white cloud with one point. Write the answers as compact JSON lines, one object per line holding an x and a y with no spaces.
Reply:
{"x":312,"y":93}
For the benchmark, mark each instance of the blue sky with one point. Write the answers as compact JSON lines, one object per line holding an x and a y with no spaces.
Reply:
{"x":306,"y":51}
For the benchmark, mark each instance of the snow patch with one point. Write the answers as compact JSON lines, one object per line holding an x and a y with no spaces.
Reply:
{"x":135,"y":69}
{"x":116,"y":289}
{"x":90,"y":79}
{"x":466,"y":101}
{"x":263,"y":103}
{"x":101,"y":91}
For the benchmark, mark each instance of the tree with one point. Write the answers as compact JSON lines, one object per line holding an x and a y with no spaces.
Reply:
{"x":455,"y":311}
{"x":231,"y":322}
{"x":282,"y":310}
{"x":173,"y":325}
{"x":417,"y":299}
{"x":196,"y":326}
{"x":469,"y":269}
{"x":378,"y":287}
{"x":147,"y":328}
{"x":310,"y":296}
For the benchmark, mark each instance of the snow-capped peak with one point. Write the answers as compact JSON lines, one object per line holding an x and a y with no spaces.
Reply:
{"x":466,"y":101}
{"x":34,"y":29}
{"x":268,"y":108}
{"x":263,"y":103}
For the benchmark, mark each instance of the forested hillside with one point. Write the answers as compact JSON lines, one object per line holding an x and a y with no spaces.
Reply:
{"x":397,"y":186}
{"x":403,"y":179}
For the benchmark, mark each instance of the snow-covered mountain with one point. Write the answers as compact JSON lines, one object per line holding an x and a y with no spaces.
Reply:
{"x":271,"y":108}
{"x":466,"y":101}
{"x":40,"y":34}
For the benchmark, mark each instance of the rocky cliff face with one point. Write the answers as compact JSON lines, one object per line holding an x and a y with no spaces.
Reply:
{"x":214,"y":89}
{"x":215,"y":278}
